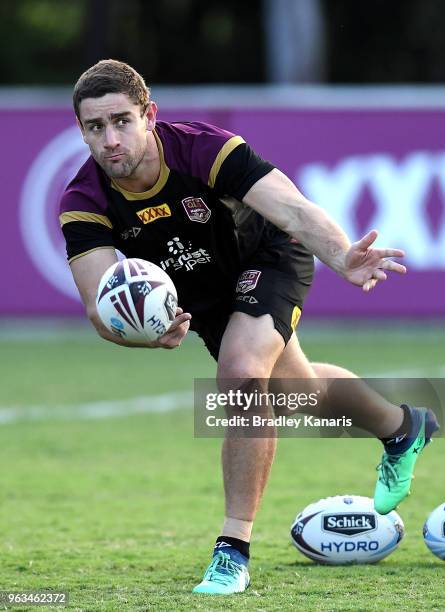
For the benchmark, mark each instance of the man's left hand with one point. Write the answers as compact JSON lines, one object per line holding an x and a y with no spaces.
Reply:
{"x":365,"y":266}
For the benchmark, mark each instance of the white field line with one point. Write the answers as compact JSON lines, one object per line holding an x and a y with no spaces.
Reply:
{"x":427,"y":372}
{"x":98,"y":410}
{"x":150,"y":404}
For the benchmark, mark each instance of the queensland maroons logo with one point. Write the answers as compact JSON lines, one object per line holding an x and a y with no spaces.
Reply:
{"x":51,"y":171}
{"x":196,"y":209}
{"x":248,"y":281}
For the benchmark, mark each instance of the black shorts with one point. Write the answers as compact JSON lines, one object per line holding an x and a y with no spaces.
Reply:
{"x":261,"y":289}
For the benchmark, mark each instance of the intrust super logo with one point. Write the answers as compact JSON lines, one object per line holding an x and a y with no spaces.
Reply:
{"x":153,"y":213}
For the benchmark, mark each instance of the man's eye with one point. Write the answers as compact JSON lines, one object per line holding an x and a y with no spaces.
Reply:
{"x":122,"y":122}
{"x":95,"y":128}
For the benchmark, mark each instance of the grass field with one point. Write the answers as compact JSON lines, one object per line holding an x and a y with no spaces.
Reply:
{"x":120,"y":507}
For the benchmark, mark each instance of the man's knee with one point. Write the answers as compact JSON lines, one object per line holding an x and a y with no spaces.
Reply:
{"x":244,"y":378}
{"x":243,"y":367}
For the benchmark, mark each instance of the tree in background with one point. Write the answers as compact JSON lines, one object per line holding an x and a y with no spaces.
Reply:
{"x":233,"y":41}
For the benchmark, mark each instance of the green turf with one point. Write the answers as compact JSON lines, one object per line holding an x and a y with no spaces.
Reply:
{"x":121,"y":512}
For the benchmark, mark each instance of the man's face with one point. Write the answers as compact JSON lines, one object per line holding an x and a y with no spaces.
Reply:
{"x":116,"y":133}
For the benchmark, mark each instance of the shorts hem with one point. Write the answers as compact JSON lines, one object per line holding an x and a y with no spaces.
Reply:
{"x":284,"y":330}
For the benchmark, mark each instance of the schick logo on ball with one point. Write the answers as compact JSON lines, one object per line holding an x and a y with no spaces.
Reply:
{"x":349,"y":524}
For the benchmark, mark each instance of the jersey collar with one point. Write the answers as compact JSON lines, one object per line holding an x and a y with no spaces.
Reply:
{"x":157,"y":187}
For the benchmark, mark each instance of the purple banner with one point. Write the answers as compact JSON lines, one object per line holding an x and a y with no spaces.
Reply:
{"x":382,"y":169}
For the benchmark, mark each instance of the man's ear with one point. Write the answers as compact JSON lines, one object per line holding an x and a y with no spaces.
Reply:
{"x":150,"y":115}
{"x":80,"y":126}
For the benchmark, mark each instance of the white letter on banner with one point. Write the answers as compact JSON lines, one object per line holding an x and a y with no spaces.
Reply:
{"x":439,"y":245}
{"x":400,"y":191}
{"x":335,"y":189}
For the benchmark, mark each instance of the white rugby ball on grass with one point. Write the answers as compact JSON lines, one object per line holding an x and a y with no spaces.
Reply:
{"x":434,"y":532}
{"x":346,"y":529}
{"x":136,"y":300}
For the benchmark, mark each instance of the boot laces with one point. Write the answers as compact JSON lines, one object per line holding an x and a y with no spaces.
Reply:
{"x":223,"y":569}
{"x":388,"y":469}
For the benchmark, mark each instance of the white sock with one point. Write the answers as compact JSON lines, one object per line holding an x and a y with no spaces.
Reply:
{"x":235,"y":528}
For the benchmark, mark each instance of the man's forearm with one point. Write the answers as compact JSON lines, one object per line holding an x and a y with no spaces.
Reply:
{"x":320,"y":234}
{"x":277,"y":198}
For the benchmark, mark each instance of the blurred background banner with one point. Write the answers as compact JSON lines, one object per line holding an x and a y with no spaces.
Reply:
{"x":370,"y":167}
{"x":349,"y":102}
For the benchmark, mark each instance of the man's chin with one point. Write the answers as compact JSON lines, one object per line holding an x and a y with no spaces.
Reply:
{"x":117,"y":171}
{"x":119,"y":175}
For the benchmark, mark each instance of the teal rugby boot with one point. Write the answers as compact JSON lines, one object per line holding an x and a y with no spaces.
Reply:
{"x":398,"y":461}
{"x":224,"y":576}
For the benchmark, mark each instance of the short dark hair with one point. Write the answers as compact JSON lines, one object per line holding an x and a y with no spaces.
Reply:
{"x":111,"y":76}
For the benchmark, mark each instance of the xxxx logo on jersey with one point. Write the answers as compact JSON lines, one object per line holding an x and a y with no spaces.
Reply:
{"x":153,"y":213}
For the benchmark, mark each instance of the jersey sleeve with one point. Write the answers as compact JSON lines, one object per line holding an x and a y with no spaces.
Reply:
{"x":238,"y":170}
{"x":84,"y":226}
{"x":220,"y":159}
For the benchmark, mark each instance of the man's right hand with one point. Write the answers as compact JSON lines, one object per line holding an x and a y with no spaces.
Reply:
{"x":87,"y":272}
{"x":176,"y":332}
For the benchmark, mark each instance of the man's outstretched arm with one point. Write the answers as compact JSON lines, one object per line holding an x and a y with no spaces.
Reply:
{"x":275,"y":197}
{"x":87,"y":272}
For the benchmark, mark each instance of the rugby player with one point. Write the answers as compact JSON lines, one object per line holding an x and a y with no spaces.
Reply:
{"x":238,"y":240}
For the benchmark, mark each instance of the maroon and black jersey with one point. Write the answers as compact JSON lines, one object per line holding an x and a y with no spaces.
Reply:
{"x":192,"y":222}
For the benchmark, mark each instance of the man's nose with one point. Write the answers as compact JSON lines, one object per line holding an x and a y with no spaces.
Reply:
{"x":111,"y":139}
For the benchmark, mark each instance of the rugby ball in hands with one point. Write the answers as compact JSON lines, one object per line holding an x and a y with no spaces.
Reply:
{"x":346,"y":529}
{"x":434,"y":532}
{"x":136,"y":300}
